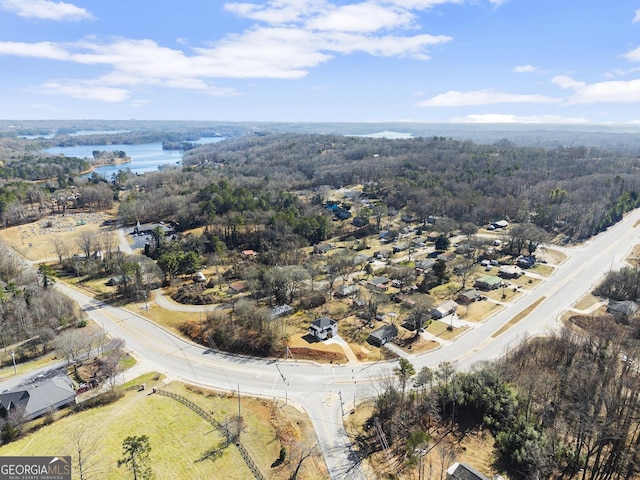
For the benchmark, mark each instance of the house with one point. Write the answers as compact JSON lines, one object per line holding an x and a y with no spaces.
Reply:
{"x":323,"y":328}
{"x":148,"y":228}
{"x":382,"y":254}
{"x":379,"y":283}
{"x":444,"y":309}
{"x":359,"y":222}
{"x":419,"y":242}
{"x":462,"y":471}
{"x":624,"y":308}
{"x":342,"y":214}
{"x":432,"y":236}
{"x":383,"y":335}
{"x":249,"y":253}
{"x":510,"y":271}
{"x":344,"y":291}
{"x":468,"y":296}
{"x":405,"y":300}
{"x":488,"y":282}
{"x":237,"y":287}
{"x":118,"y":280}
{"x":400,"y":247}
{"x":39,"y":398}
{"x":446,"y":256}
{"x":426,"y":264}
{"x":281,"y":311}
{"x":322,"y":248}
{"x":498,"y":224}
{"x":526,"y":261}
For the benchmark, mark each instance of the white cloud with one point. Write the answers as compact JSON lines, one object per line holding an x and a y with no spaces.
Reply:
{"x":290,"y":38}
{"x":621,"y":73}
{"x":498,"y":3}
{"x":45,"y":9}
{"x":278,"y":12}
{"x":636,"y":18}
{"x":525,"y":69}
{"x":48,"y":50}
{"x":454,"y":98}
{"x":85,"y":91}
{"x":507,"y":118}
{"x":633,"y":55}
{"x":363,"y":17}
{"x":609,"y":92}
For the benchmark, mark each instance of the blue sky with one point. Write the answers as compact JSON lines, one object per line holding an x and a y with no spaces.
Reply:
{"x":479,"y":61}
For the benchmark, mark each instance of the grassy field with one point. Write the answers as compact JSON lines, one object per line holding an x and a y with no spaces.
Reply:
{"x":35,"y":241}
{"x":180,"y":440}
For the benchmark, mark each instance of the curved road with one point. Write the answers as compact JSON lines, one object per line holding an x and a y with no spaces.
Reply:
{"x":327,"y":392}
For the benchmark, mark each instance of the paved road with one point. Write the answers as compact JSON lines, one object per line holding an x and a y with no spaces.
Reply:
{"x":327,"y":392}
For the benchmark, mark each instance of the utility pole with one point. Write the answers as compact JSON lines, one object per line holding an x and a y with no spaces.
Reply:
{"x":13,"y":356}
{"x":239,"y":401}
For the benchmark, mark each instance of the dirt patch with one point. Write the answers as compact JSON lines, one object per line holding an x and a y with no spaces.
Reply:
{"x":35,"y":241}
{"x":322,"y":355}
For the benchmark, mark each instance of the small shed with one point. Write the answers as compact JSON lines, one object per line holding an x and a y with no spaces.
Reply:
{"x":344,"y":291}
{"x":383,"y":335}
{"x":323,"y":328}
{"x":444,"y":309}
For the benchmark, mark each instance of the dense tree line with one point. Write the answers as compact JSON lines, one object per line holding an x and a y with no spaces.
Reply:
{"x":564,"y":406}
{"x":577,"y":191}
{"x":37,"y":167}
{"x":30,"y":311}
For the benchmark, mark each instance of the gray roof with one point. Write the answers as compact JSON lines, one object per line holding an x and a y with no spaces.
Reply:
{"x":323,"y":322}
{"x":626,"y":307}
{"x":37,"y":397}
{"x":462,"y":471}
{"x":281,"y":310}
{"x":386,"y":331}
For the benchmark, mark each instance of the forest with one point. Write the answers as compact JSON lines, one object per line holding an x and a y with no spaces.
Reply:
{"x":563,"y":406}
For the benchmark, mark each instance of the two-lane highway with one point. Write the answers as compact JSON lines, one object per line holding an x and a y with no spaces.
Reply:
{"x":327,"y":392}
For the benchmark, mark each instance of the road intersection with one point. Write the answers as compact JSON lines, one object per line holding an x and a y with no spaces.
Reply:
{"x":328,"y":392}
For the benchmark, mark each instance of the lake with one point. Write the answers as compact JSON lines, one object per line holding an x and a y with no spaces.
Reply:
{"x":145,"y":157}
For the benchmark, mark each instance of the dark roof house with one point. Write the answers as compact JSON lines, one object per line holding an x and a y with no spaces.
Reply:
{"x":323,"y":328}
{"x":468,"y":296}
{"x":625,"y":308}
{"x":462,"y":471}
{"x":39,"y":398}
{"x":383,"y":335}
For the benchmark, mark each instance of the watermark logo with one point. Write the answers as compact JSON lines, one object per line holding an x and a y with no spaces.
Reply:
{"x":35,"y":468}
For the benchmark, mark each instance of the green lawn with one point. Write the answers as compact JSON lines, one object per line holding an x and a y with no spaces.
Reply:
{"x":180,"y":439}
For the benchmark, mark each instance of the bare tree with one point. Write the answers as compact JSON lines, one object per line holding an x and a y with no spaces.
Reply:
{"x":111,"y":363}
{"x":304,"y":454}
{"x":87,"y":242}
{"x":73,"y":344}
{"x":87,"y":464}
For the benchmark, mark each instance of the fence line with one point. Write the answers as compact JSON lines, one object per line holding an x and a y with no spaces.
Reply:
{"x":209,"y":418}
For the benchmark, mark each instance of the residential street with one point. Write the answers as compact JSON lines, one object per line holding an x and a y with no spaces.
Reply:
{"x":327,"y":392}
